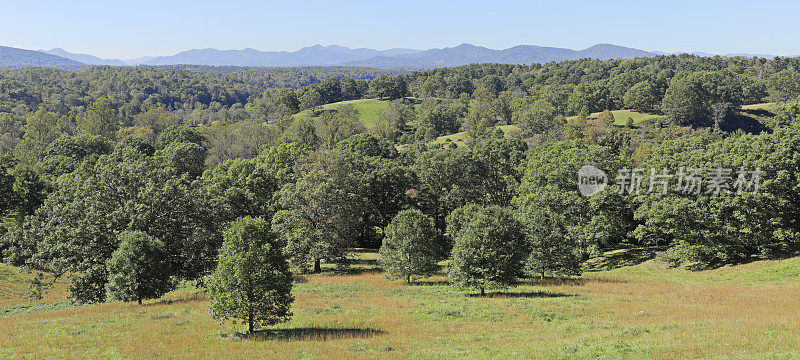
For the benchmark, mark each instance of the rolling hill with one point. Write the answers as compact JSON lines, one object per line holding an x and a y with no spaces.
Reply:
{"x":13,"y":57}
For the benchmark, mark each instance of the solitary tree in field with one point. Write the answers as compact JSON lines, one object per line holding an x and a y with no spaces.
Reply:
{"x":138,"y":268}
{"x":410,"y":247}
{"x":489,"y":252}
{"x":252,"y":281}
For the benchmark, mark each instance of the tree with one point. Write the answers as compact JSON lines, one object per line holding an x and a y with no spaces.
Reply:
{"x":333,"y":127}
{"x":185,"y":158}
{"x":29,"y":190}
{"x":137,"y":269}
{"x":410,"y":247}
{"x":99,"y":119}
{"x":489,"y":252}
{"x":75,"y":230}
{"x":41,"y":128}
{"x":784,"y":86}
{"x":310,"y":100}
{"x":480,"y":118}
{"x":252,"y":281}
{"x":643,"y":96}
{"x":552,"y":248}
{"x":178,"y":134}
{"x":319,"y":215}
{"x":7,"y":197}
{"x":539,"y":118}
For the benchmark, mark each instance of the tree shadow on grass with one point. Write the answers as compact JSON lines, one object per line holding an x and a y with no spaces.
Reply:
{"x":554,"y":281}
{"x":312,"y":334}
{"x":351,"y":271}
{"x":525,"y":294}
{"x":425,"y":282}
{"x":200,"y":296}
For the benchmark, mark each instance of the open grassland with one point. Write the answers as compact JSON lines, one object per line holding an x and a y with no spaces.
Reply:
{"x":621,"y":116}
{"x":642,"y":311}
{"x":367,"y":109}
{"x":769,"y":107}
{"x":460,"y":138}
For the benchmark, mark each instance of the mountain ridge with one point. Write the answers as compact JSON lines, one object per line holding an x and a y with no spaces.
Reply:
{"x":335,"y":55}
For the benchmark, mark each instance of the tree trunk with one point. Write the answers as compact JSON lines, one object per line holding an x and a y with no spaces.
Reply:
{"x":250,"y":323}
{"x":317,"y":266}
{"x":140,"y":301}
{"x":483,"y":292}
{"x":408,"y":279}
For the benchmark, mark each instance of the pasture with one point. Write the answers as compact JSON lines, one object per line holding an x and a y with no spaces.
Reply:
{"x":640,"y":311}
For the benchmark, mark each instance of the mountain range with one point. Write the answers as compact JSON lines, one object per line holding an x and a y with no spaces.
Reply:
{"x":319,"y":55}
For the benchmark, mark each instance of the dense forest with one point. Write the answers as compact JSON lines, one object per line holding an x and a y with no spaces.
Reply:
{"x":97,"y":159}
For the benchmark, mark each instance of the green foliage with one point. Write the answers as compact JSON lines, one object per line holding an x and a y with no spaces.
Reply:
{"x":185,"y":157}
{"x":75,"y":230}
{"x":784,"y":85}
{"x":367,"y":145}
{"x":490,"y":251}
{"x":178,"y":134}
{"x":100,"y":119}
{"x":251,"y":282}
{"x":410,"y":247}
{"x":319,"y":216}
{"x":553,"y":250}
{"x":137,"y":269}
{"x":643,"y":96}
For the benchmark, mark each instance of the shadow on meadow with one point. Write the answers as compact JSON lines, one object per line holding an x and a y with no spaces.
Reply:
{"x":311,"y":333}
{"x":525,"y":294}
{"x":199,"y":296}
{"x":555,"y":281}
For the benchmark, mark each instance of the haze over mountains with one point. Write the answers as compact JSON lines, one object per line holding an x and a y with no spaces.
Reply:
{"x":319,"y":55}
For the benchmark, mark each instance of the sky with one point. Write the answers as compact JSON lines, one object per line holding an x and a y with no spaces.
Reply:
{"x":130,"y":29}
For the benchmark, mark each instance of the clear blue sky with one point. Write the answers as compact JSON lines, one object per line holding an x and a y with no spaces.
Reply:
{"x":127,"y":29}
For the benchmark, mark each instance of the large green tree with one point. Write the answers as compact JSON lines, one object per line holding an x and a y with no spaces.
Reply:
{"x":252,"y":281}
{"x":410,"y":247}
{"x":138,"y":268}
{"x":490,"y":251}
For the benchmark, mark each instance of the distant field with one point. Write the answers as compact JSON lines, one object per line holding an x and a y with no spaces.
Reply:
{"x":367,"y":108}
{"x":641,"y":311}
{"x":621,"y":116}
{"x":460,"y":137}
{"x":771,"y":107}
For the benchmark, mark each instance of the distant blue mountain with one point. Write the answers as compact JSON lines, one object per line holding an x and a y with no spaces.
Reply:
{"x":84,"y":58}
{"x":308,"y":56}
{"x":522,"y":54}
{"x":13,"y":57}
{"x":318,"y":55}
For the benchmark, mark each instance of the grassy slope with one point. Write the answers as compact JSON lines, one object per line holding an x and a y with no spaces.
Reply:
{"x":641,"y":311}
{"x":621,"y":116}
{"x":367,"y":109}
{"x":460,"y":137}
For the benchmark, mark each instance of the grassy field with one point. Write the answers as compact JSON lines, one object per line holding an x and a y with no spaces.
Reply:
{"x":621,"y":116}
{"x":640,"y":311}
{"x":460,"y":137}
{"x":367,"y":109}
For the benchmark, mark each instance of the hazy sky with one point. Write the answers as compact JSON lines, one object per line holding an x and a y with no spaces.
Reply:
{"x":127,"y":29}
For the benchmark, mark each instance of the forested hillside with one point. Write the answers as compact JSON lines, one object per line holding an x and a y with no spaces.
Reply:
{"x":168,"y":158}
